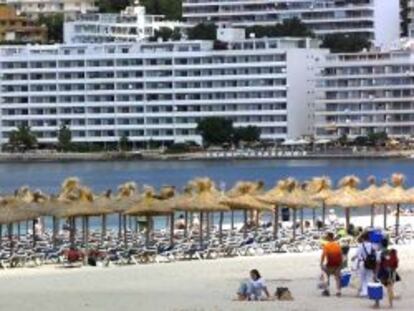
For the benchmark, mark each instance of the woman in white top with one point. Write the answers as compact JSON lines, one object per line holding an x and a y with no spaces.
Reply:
{"x":254,"y":288}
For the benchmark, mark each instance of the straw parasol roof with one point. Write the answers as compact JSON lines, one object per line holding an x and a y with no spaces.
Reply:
{"x":348,"y":195}
{"x":150,"y":205}
{"x":76,"y":200}
{"x":275,"y":195}
{"x":244,"y":197}
{"x":320,"y":188}
{"x":397,"y":194}
{"x":12,"y":211}
{"x":126,"y":197}
{"x":200,"y":195}
{"x":298,"y":197}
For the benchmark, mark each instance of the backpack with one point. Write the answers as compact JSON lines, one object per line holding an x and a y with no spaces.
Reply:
{"x":370,"y":260}
{"x":389,"y":260}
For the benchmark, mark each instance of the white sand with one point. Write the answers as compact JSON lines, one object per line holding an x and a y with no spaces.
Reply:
{"x":205,"y":285}
{"x":185,"y":286}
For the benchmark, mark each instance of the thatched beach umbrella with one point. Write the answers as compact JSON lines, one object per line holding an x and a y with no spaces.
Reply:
{"x":398,"y":195}
{"x":149,"y":206}
{"x":126,"y":198}
{"x":274,"y":197}
{"x":244,"y":197}
{"x":320,"y":189}
{"x":298,"y":198}
{"x":373,"y":192}
{"x":348,"y":196}
{"x":74,"y":200}
{"x":202,"y":196}
{"x":14,"y":210}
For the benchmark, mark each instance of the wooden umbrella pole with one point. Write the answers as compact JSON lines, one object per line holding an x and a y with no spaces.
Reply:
{"x":72,"y":224}
{"x":54,"y":231}
{"x":245,"y":223}
{"x":87,"y":231}
{"x":18,"y":231}
{"x":201,"y":229}
{"x":172,"y":228}
{"x":1,"y":236}
{"x":34,"y":233}
{"x":347,"y":218}
{"x":294,"y":223}
{"x":372,"y":216}
{"x":125,"y":230}
{"x":27,"y":227}
{"x":314,"y":217}
{"x":385,"y":216}
{"x":397,"y":223}
{"x":10,"y":233}
{"x":221,"y":227}
{"x":232,"y":220}
{"x":119,"y":226}
{"x":147,"y":232}
{"x":83,"y":230}
{"x":323,"y":214}
{"x":103,"y":236}
{"x":276,"y":223}
{"x":207,"y":225}
{"x":302,"y":229}
{"x":186,"y":224}
{"x":256,"y":228}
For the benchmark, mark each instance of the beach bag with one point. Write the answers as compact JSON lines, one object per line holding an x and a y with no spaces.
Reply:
{"x":283,"y":294}
{"x":370,"y":260}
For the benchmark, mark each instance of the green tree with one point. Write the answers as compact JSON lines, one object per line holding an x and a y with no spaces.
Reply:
{"x":215,"y":130}
{"x":203,"y":31}
{"x":288,"y":28}
{"x":247,"y":134}
{"x":113,"y":6}
{"x":376,"y":139}
{"x":124,"y":144}
{"x":22,"y":138}
{"x":171,"y":9}
{"x":405,"y":19}
{"x":65,"y":139}
{"x":345,"y":43}
{"x":166,"y":34}
{"x":54,"y":24}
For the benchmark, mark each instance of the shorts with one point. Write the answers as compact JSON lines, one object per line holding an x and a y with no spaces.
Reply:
{"x":332,"y":270}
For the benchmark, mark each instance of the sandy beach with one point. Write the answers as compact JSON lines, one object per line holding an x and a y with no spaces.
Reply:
{"x":197,"y":285}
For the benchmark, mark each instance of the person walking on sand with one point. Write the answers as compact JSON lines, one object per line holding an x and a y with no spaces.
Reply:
{"x":331,"y":263}
{"x":387,"y":270}
{"x":253,"y":289}
{"x":367,"y":262}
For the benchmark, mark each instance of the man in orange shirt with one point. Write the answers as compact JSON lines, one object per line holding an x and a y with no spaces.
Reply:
{"x":331,"y":262}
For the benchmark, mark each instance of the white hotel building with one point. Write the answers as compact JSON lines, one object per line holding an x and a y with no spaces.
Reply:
{"x":367,"y":92}
{"x":158,"y":91}
{"x":33,"y":8}
{"x":132,"y":24}
{"x":378,"y":20}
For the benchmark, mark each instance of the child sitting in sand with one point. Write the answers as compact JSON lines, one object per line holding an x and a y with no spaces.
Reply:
{"x":253,"y":289}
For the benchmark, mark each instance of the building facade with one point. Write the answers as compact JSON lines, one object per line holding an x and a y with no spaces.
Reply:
{"x":377,"y":20}
{"x":15,"y":28}
{"x":133,"y":24}
{"x":364,"y":93}
{"x":34,"y":8}
{"x":157,"y":92}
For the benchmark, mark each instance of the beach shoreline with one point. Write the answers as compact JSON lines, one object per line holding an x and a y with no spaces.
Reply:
{"x":198,"y":156}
